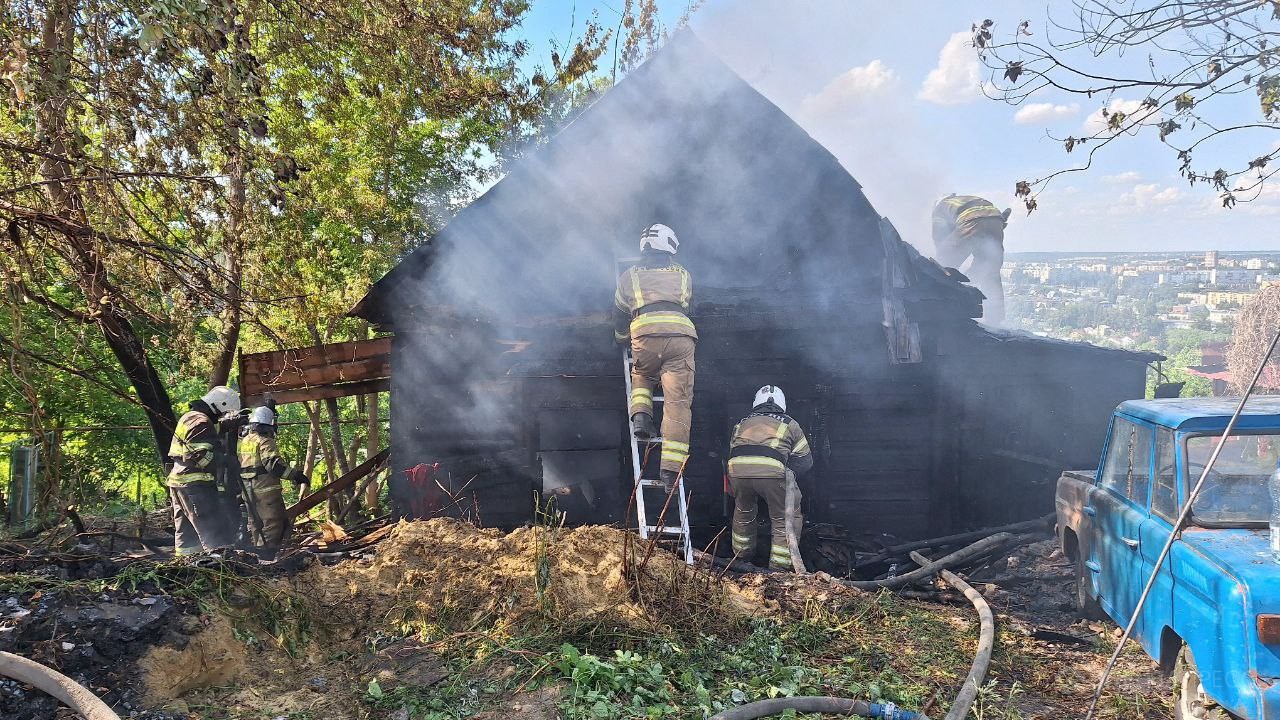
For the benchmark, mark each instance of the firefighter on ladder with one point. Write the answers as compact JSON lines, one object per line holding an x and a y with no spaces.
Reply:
{"x":967,"y":226}
{"x":652,"y":310}
{"x":261,"y":470}
{"x":200,"y":516}
{"x":766,"y":453}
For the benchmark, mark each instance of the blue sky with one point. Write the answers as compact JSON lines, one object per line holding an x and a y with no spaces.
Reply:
{"x":891,"y":90}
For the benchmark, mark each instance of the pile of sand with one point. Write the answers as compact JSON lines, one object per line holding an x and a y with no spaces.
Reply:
{"x":454,"y":576}
{"x":436,"y":578}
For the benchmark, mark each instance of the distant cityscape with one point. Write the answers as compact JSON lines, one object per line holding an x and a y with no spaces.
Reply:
{"x":1183,"y":305}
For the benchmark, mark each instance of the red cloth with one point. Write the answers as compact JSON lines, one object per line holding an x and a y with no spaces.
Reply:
{"x":426,"y":496}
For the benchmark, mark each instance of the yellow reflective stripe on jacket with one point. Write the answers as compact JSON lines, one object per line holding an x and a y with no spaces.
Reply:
{"x":756,"y":461}
{"x":801,"y":447}
{"x":779,"y":436}
{"x":685,"y":295}
{"x":661,"y":317}
{"x":635,"y":288}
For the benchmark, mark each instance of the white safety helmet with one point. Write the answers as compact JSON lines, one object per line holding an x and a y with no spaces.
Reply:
{"x":222,"y":399}
{"x":773,"y":394}
{"x":659,"y":237}
{"x":263,"y":416}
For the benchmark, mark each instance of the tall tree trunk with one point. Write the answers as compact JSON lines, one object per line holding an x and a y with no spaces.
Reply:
{"x":313,"y":441}
{"x":53,"y":96}
{"x":236,"y":220}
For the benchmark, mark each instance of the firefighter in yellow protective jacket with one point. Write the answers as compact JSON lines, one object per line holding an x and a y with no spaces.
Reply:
{"x":200,"y":517}
{"x":652,"y":309}
{"x":766,"y":453}
{"x":261,"y":470}
{"x":965,"y":226}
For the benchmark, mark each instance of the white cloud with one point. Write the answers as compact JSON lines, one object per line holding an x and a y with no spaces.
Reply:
{"x":1147,"y":196}
{"x":958,"y":77}
{"x":1124,"y":178}
{"x":851,"y":87}
{"x":1096,"y":123}
{"x":1045,"y":113}
{"x":868,"y":119}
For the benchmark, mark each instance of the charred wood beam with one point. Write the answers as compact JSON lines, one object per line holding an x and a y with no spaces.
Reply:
{"x":325,"y":492}
{"x":901,"y":551}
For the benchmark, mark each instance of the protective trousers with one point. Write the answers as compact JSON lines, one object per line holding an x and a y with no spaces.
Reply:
{"x":268,"y":500}
{"x":199,"y":519}
{"x":986,"y":245}
{"x":782,"y":495}
{"x":665,"y":360}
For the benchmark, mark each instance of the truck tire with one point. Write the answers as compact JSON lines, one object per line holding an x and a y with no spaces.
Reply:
{"x":1086,"y":604}
{"x":1189,"y":700}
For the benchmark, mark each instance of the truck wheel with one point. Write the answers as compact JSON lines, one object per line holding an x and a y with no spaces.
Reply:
{"x":1190,"y":702}
{"x":1086,"y":604}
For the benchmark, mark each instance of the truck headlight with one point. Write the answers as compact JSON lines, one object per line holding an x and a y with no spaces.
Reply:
{"x":1269,"y":629}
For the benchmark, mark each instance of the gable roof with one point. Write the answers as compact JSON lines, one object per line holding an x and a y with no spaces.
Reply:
{"x":763,"y":211}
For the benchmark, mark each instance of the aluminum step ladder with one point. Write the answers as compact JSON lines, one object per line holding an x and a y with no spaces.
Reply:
{"x":662,"y":530}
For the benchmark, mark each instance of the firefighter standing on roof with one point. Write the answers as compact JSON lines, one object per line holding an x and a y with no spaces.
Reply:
{"x":967,"y":225}
{"x":652,"y":309}
{"x":200,"y":516}
{"x":261,"y":470}
{"x":766,"y":453}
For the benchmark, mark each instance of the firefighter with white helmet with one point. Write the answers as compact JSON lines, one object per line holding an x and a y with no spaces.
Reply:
{"x":261,"y":470}
{"x":196,"y":452}
{"x":652,"y":311}
{"x":767,"y":450}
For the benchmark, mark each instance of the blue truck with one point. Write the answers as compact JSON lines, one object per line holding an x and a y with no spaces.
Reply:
{"x":1213,"y":618}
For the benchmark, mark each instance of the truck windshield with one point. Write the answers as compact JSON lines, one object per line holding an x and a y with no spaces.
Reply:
{"x":1235,"y":492}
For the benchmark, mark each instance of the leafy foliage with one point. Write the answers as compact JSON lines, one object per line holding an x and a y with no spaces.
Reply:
{"x":1187,"y":58}
{"x":184,"y":179}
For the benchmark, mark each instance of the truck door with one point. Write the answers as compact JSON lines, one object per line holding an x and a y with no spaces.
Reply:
{"x":1120,"y":503}
{"x":1158,"y":611}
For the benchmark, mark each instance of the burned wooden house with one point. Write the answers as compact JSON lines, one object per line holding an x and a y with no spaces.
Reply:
{"x":504,"y":369}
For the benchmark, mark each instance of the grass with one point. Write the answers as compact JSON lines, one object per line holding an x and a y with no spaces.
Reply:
{"x":875,"y":648}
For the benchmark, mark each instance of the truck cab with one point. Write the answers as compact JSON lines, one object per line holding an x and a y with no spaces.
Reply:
{"x":1213,"y":617}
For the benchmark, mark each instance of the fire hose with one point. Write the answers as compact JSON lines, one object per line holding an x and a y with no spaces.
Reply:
{"x":889,"y":711}
{"x":986,"y":642}
{"x":68,"y":691}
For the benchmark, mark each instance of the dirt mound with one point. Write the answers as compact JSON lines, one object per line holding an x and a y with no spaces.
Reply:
{"x":431,"y":581}
{"x":441,"y":574}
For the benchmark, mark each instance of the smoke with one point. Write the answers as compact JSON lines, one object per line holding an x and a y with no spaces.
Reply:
{"x":870,"y":114}
{"x":503,"y":321}
{"x":777,"y":236}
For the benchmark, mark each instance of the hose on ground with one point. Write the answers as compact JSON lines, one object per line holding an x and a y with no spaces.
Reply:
{"x":986,"y":642}
{"x":977,"y":671}
{"x":827,"y":705}
{"x":68,"y":691}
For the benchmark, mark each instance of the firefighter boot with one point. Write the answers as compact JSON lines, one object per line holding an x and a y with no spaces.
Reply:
{"x":667,"y":479}
{"x":643,"y":423}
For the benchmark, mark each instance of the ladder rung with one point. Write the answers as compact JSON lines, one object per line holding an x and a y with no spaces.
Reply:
{"x":668,"y":530}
